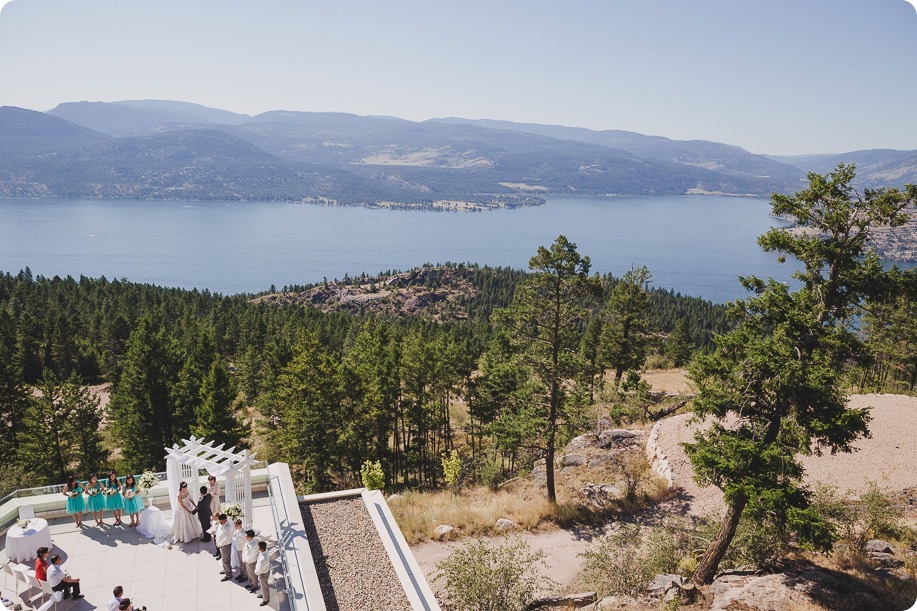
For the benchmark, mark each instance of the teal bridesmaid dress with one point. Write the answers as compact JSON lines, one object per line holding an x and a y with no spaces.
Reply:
{"x":135,"y":503}
{"x":114,"y":502}
{"x":96,"y":502}
{"x":75,"y":504}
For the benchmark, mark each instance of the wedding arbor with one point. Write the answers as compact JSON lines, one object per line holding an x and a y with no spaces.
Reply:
{"x":185,"y":462}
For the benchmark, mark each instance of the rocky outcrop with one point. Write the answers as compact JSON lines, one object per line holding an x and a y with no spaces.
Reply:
{"x":657,"y":457}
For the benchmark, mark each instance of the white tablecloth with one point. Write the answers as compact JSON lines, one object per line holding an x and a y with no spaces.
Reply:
{"x":153,"y":525}
{"x":22,"y":543}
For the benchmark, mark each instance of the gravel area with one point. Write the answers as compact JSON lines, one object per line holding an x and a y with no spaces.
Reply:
{"x":886,"y":458}
{"x":353,"y":567}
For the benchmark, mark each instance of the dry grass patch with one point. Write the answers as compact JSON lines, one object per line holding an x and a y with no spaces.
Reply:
{"x":471,"y":511}
{"x":669,"y":381}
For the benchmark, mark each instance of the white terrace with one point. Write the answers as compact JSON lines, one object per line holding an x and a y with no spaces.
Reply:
{"x":185,"y":577}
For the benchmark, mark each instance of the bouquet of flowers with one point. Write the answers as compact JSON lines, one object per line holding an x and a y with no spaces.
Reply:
{"x":72,"y":493}
{"x":92,"y":491}
{"x":128,"y":493}
{"x":22,"y":524}
{"x":232,"y":510}
{"x":109,"y":491}
{"x":147,"y":480}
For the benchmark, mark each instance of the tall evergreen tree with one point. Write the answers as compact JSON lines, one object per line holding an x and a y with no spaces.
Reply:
{"x":141,"y":410}
{"x":215,"y":417}
{"x":543,"y":321}
{"x":624,"y":335}
{"x":779,"y":371}
{"x":14,"y":398}
{"x":679,"y":345}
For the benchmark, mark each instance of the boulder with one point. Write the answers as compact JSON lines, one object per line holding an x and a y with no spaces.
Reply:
{"x":570,"y":601}
{"x":583,"y":442}
{"x":572,"y":460}
{"x":442,"y":530}
{"x":505,"y":524}
{"x":879,"y":546}
{"x":616,"y":437}
{"x":886,"y":560}
{"x":394,"y":498}
{"x":662,"y":583}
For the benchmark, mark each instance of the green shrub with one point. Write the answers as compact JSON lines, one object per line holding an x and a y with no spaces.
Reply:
{"x":452,"y":469}
{"x":617,"y":566}
{"x":484,"y":577}
{"x":372,"y":475}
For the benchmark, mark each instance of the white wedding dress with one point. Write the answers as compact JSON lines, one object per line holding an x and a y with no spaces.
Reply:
{"x":185,"y":527}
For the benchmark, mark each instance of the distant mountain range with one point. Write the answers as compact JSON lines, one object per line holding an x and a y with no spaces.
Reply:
{"x":152,"y":149}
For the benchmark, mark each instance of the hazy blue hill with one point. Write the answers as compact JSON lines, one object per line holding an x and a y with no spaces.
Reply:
{"x":875,"y":167}
{"x":142,"y":117}
{"x":723,"y":158}
{"x":26,"y":131}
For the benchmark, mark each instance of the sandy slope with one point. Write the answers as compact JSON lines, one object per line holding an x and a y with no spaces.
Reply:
{"x":887,"y":458}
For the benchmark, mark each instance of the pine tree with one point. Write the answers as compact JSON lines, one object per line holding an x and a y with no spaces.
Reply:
{"x":679,"y":346}
{"x":780,"y":370}
{"x":141,"y":410}
{"x":14,"y":398}
{"x":215,"y":417}
{"x":543,"y":322}
{"x":624,"y":335}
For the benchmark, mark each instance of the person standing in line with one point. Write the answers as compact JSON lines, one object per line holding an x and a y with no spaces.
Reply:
{"x":250,"y":559}
{"x":263,"y":571}
{"x":114,"y":502}
{"x":115,"y":603}
{"x":96,"y":502}
{"x":238,"y":542}
{"x":223,"y":538}
{"x":60,"y":581}
{"x":75,"y":503}
{"x":41,"y":564}
{"x":133,"y":502}
{"x":214,"y":489}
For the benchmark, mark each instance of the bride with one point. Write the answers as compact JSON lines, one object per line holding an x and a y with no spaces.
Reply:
{"x":185,"y":527}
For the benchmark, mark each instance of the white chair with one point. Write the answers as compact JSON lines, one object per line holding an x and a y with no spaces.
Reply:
{"x":54,"y":597}
{"x":26,"y":512}
{"x":7,"y":572}
{"x":22,"y":575}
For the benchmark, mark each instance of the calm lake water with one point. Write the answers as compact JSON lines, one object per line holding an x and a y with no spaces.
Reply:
{"x":694,"y":245}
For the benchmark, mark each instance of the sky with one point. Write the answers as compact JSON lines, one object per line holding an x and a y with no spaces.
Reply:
{"x":775,"y":76}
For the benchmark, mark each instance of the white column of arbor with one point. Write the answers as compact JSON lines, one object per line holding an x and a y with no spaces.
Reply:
{"x":185,"y":461}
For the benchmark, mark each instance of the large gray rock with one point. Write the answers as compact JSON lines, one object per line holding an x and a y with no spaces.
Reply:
{"x":583,"y":442}
{"x":442,"y":530}
{"x":617,"y":437}
{"x":573,"y":460}
{"x":662,"y":583}
{"x":790,"y":591}
{"x":879,"y":546}
{"x":504,"y":524}
{"x":886,"y":560}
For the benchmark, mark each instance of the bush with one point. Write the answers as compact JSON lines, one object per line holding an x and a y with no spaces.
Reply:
{"x":452,"y":469}
{"x":484,"y":577}
{"x":618,"y":566}
{"x":372,"y":475}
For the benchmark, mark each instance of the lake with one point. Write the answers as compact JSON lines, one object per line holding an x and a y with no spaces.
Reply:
{"x":694,"y":245}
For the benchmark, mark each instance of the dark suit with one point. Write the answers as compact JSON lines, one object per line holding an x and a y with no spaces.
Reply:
{"x":203,"y":514}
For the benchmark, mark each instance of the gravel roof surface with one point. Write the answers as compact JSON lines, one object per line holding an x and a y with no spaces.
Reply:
{"x":353,"y":567}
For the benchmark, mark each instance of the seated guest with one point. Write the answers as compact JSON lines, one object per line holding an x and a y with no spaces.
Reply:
{"x":115,"y":603}
{"x":60,"y":582}
{"x":41,"y":564}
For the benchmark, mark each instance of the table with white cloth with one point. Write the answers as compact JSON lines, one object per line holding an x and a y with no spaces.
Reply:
{"x":153,"y":525}
{"x":23,"y":543}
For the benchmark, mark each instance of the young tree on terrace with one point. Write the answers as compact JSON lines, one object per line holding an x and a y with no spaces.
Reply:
{"x":625,"y":332}
{"x":778,"y":373}
{"x":544,"y":320}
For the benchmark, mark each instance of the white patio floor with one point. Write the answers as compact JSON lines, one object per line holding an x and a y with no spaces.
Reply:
{"x":183,"y":578}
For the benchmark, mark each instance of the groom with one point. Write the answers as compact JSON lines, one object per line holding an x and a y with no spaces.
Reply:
{"x":203,"y":513}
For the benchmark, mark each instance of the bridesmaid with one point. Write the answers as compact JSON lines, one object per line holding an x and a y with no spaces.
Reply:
{"x":133,"y":503}
{"x":114,"y":502}
{"x":96,"y":502}
{"x":75,"y":504}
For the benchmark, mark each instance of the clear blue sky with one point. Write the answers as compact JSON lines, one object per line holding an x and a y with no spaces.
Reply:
{"x":775,"y":76}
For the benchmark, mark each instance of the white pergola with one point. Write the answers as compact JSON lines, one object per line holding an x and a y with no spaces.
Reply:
{"x":184,"y":463}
